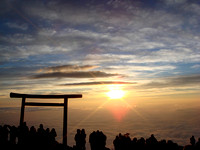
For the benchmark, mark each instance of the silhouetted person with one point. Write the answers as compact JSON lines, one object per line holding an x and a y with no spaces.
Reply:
{"x":23,"y":132}
{"x":127,"y":141}
{"x":13,"y":134}
{"x":192,"y":141}
{"x":52,"y":136}
{"x":41,"y":129}
{"x":83,"y":139}
{"x":41,"y":134}
{"x":77,"y":138}
{"x":152,"y":142}
{"x":92,"y":140}
{"x":116,"y":143}
{"x":134,"y":143}
{"x":47,"y":136}
{"x":97,"y":141}
{"x":193,"y":145}
{"x":33,"y":136}
{"x":4,"y":134}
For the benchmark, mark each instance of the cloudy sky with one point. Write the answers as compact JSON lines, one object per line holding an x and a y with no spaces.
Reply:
{"x":83,"y":46}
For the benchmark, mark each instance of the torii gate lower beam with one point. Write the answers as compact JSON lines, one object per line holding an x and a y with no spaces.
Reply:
{"x":65,"y":104}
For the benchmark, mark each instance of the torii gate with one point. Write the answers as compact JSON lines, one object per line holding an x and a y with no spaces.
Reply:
{"x":65,"y":104}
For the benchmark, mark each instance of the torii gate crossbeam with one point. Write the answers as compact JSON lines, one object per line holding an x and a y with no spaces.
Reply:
{"x":65,"y":104}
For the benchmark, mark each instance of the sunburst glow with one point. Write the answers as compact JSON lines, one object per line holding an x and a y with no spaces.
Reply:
{"x":115,"y":93}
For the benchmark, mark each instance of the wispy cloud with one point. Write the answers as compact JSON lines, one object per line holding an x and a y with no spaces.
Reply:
{"x":17,"y":26}
{"x":172,"y":2}
{"x":196,"y":66}
{"x":178,"y":81}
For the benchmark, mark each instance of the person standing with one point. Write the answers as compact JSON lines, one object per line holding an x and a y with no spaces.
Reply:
{"x":83,"y":139}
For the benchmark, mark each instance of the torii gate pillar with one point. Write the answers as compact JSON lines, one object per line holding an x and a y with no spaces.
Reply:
{"x":65,"y":121}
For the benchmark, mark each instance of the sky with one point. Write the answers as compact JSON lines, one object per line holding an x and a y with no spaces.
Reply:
{"x":75,"y":46}
{"x":149,"y":49}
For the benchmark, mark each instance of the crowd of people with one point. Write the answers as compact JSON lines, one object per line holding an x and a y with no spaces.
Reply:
{"x":22,"y":137}
{"x":97,"y":140}
{"x":124,"y":142}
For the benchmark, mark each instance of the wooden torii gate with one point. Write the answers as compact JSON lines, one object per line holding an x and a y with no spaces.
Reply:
{"x":65,"y":104}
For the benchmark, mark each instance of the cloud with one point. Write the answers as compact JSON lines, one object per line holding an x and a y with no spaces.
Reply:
{"x":28,"y":109}
{"x":17,"y":26}
{"x":67,"y":68}
{"x":18,"y":52}
{"x":174,"y":55}
{"x":86,"y":13}
{"x":98,"y":83}
{"x":178,"y":81}
{"x":116,"y":36}
{"x":132,"y":30}
{"x":195,"y":66}
{"x":171,"y":55}
{"x":80,"y":74}
{"x":5,"y":109}
{"x":141,"y":67}
{"x":172,"y":2}
{"x":71,"y":71}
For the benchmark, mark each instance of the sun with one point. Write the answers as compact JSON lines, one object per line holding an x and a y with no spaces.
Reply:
{"x":115,"y":92}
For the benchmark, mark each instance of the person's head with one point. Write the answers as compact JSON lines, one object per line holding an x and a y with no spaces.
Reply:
{"x":47,"y":130}
{"x":32,"y":128}
{"x":83,"y":131}
{"x":41,"y":125}
{"x":78,"y":131}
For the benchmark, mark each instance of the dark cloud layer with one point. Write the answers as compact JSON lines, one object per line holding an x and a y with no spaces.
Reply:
{"x":99,"y":83}
{"x":89,"y":74}
{"x":67,"y":68}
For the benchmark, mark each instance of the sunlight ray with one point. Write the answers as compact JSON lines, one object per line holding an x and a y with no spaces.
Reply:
{"x":87,"y":117}
{"x":132,"y":108}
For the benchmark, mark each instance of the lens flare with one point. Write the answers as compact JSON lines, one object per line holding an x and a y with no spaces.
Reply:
{"x":119,"y":111}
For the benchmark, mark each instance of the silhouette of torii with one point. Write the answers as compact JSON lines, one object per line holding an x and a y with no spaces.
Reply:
{"x":65,"y":104}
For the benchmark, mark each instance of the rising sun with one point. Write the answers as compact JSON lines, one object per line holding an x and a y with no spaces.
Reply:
{"x":115,"y":93}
